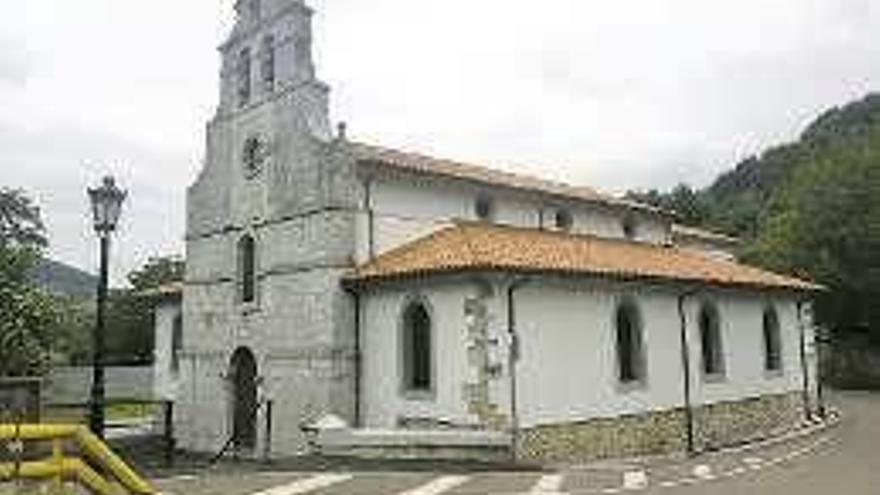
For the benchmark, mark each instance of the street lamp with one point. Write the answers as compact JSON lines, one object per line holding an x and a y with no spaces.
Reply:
{"x":106,"y":207}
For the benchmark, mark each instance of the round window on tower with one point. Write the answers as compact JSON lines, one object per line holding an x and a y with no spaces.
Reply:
{"x":253,"y":156}
{"x":563,"y":220}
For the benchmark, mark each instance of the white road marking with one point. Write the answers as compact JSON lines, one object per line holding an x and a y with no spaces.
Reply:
{"x":704,"y":472}
{"x":438,"y":485}
{"x":184,"y":477}
{"x":307,"y":485}
{"x":549,"y":483}
{"x":635,"y":480}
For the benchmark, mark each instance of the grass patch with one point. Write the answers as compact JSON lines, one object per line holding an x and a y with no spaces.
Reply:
{"x":113,"y":411}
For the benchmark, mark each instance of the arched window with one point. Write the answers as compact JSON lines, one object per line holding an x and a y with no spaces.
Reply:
{"x":247,"y":268}
{"x":243,"y":70}
{"x":176,"y":342}
{"x":630,"y":349}
{"x":710,"y":341}
{"x":252,"y":156}
{"x":267,"y":62}
{"x":772,"y":341}
{"x":416,"y":347}
{"x":630,"y":227}
{"x":484,"y":208}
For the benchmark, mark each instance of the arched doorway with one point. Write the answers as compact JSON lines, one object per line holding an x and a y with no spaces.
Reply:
{"x":243,"y":377}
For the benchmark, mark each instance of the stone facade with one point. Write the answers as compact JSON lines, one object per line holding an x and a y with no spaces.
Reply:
{"x":662,"y":432}
{"x":272,"y":173}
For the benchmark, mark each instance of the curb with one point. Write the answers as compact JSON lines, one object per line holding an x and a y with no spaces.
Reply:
{"x":805,"y":429}
{"x":833,"y":419}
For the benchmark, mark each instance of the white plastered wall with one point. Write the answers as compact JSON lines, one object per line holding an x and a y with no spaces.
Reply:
{"x":165,"y":378}
{"x":567,"y":370}
{"x":384,"y":403}
{"x":406,"y":208}
{"x":568,"y":366}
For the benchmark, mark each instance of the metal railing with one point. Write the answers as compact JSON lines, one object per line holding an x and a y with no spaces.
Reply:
{"x":112,"y":475}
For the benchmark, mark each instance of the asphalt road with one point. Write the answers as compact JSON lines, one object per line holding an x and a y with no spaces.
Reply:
{"x":847,"y":464}
{"x":844,"y":460}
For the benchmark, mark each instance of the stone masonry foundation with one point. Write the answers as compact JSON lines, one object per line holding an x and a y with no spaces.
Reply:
{"x":660,"y":432}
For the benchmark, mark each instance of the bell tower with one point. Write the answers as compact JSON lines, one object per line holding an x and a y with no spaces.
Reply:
{"x":270,"y":233}
{"x":268,"y":55}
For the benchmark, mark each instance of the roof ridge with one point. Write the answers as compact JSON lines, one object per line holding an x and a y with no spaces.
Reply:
{"x":491,"y":174}
{"x":490,"y":168}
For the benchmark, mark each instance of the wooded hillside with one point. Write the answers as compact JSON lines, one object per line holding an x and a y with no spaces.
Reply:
{"x":810,"y":208}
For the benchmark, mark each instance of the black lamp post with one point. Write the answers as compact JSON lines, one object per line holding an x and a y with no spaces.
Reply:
{"x":106,"y":207}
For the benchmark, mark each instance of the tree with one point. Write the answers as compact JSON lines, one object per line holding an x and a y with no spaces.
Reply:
{"x":825,"y":225}
{"x":30,"y":316}
{"x":129,"y":325}
{"x":158,"y":271}
{"x":20,"y":222}
{"x":682,"y":200}
{"x":129,"y":337}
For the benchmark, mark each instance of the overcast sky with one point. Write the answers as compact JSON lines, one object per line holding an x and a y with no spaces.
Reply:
{"x":616,"y":94}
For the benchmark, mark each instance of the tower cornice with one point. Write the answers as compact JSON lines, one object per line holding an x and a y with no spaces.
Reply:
{"x":243,"y":30}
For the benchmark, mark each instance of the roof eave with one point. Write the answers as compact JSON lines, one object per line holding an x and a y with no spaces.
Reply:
{"x":356,"y":282}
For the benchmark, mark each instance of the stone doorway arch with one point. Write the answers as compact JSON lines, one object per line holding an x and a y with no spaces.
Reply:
{"x":243,"y":378}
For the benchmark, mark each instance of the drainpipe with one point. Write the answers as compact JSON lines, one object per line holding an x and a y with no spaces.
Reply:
{"x":686,"y":371}
{"x":371,"y":218}
{"x":358,"y":420}
{"x":513,"y":358}
{"x":805,"y":371}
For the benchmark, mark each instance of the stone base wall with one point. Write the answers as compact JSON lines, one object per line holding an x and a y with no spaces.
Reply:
{"x":660,"y":432}
{"x":729,"y":423}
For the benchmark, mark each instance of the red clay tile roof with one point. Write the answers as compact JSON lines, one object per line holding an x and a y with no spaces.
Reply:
{"x":418,"y":163}
{"x":475,"y":246}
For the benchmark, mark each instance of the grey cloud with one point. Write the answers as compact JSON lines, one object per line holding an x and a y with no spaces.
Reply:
{"x":13,"y":63}
{"x":58,"y":164}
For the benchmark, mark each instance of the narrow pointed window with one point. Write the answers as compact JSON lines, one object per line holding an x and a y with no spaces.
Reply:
{"x":772,"y":341}
{"x":630,"y":227}
{"x":243,"y":70}
{"x":176,"y":342}
{"x":267,"y":63}
{"x":630,"y":349}
{"x":247,"y":265}
{"x":711,"y":342}
{"x":416,"y":347}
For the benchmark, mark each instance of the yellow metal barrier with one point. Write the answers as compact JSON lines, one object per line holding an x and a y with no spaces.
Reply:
{"x":59,"y":468}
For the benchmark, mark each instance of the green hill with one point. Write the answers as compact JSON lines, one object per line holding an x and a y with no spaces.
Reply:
{"x":63,"y":279}
{"x":739,"y":199}
{"x":810,"y":208}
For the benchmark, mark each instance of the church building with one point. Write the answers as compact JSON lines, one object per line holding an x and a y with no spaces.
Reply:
{"x":412,"y":295}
